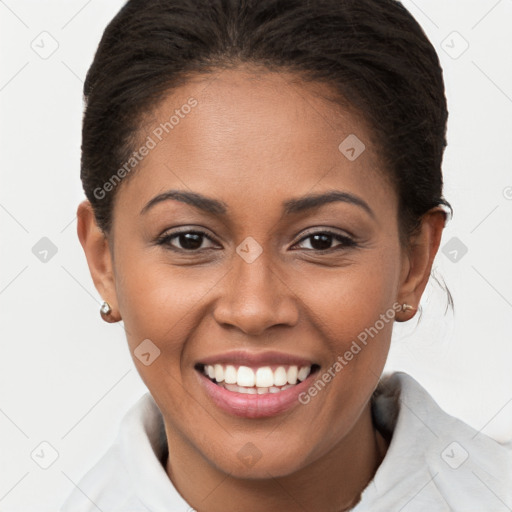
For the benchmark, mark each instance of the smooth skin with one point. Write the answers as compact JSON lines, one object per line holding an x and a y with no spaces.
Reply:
{"x":253,"y":141}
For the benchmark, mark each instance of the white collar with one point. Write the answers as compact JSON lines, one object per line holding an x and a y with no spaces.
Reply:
{"x":435,"y":462}
{"x":418,"y":473}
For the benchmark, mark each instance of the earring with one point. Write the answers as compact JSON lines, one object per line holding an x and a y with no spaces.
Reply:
{"x":106,"y":313}
{"x":407,"y":307}
{"x":105,"y":308}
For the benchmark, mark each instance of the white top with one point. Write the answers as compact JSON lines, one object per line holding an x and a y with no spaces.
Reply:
{"x":434,"y":463}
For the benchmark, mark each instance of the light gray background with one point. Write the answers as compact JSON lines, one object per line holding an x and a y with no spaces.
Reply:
{"x":67,"y":378}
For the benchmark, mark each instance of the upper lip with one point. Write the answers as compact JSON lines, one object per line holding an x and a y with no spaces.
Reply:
{"x":246,"y":358}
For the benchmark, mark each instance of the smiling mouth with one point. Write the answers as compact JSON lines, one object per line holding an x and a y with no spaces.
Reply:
{"x":256,"y":380}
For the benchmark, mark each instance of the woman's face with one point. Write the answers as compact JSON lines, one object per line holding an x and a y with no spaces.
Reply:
{"x":259,"y":285}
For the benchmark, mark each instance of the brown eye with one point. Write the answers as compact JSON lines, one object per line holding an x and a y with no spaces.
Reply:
{"x":322,"y":241}
{"x":189,"y":241}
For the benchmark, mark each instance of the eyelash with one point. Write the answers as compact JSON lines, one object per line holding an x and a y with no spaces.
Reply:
{"x":346,"y":242}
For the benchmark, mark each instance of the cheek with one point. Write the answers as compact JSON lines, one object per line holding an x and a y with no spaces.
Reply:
{"x":350,"y":299}
{"x":355,"y":316}
{"x":353,"y":308}
{"x":161,"y":302}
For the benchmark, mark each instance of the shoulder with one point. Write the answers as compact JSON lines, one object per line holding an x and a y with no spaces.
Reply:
{"x":434,"y":461}
{"x":104,"y":487}
{"x":130,"y":476}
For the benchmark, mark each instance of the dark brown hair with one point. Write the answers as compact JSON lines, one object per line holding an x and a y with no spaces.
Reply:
{"x":373,"y":53}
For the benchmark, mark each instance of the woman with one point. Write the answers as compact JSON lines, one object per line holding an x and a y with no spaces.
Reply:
{"x":264,"y":201}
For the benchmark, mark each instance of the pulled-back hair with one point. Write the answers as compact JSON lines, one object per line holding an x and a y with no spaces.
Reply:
{"x":373,"y":53}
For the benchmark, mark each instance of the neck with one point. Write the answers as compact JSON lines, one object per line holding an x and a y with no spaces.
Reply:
{"x":332,"y":483}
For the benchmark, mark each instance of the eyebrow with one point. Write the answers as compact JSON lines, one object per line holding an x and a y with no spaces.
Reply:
{"x":291,"y":206}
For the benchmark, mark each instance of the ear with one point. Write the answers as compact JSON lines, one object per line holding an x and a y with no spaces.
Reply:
{"x":418,"y":260}
{"x":99,"y":258}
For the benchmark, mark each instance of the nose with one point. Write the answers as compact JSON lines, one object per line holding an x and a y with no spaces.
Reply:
{"x":256,"y":296}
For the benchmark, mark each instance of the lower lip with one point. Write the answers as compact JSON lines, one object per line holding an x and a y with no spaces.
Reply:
{"x":254,"y":406}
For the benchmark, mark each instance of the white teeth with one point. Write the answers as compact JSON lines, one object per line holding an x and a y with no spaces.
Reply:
{"x":280,"y":378}
{"x":264,"y":377}
{"x":304,"y":372}
{"x":219,"y":373}
{"x":230,"y":374}
{"x":253,"y":390}
{"x":262,"y":380}
{"x":245,"y":377}
{"x":291,"y":375}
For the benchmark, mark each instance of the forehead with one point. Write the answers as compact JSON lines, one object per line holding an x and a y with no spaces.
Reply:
{"x":254,"y":136}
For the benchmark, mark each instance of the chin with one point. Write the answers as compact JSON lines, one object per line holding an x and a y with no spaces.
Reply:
{"x":251,"y":463}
